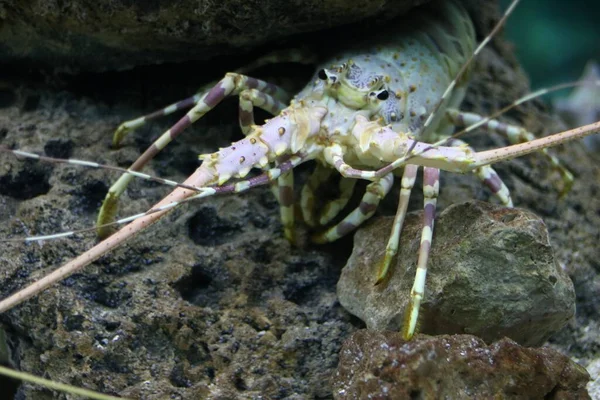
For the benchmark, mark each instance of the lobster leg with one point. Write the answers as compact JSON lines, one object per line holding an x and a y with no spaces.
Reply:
{"x":431,"y":187}
{"x":489,"y":177}
{"x":486,"y":174}
{"x":231,"y":84}
{"x":255,"y":98}
{"x":129,"y":126}
{"x":376,"y":191}
{"x":408,"y":181}
{"x":285,"y":188}
{"x":514,"y":134}
{"x":300,"y":56}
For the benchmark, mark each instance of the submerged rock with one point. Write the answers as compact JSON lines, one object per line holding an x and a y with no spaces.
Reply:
{"x":110,"y":34}
{"x":492,"y":273}
{"x":382,"y":365}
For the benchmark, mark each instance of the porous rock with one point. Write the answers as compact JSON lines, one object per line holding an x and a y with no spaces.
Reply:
{"x":245,"y":314}
{"x":492,"y":273}
{"x":382,"y":365}
{"x":116,"y":34}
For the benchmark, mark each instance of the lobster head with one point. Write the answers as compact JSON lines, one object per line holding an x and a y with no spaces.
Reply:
{"x":354,"y":86}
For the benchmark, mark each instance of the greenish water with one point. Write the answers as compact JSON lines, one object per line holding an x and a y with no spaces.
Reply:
{"x":554,"y":39}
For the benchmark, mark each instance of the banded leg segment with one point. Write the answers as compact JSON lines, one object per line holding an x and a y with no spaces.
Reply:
{"x":255,"y":98}
{"x":129,"y":126}
{"x":285,"y":187}
{"x":489,"y":177}
{"x":231,"y":84}
{"x":374,"y":193}
{"x":515,"y":135}
{"x":408,"y":182}
{"x":431,"y":189}
{"x":334,"y":155}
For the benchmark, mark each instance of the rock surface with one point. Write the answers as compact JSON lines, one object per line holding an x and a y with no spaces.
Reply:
{"x":383,"y":366}
{"x":179,"y":311}
{"x":491,"y":273}
{"x":114,"y":34}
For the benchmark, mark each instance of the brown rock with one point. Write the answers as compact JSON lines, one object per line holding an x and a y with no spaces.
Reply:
{"x":381,"y":365}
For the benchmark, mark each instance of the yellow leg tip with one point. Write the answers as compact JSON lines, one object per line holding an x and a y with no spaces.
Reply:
{"x":106,"y":215}
{"x":122,"y":131}
{"x":290,"y":235}
{"x":412,"y":320}
{"x":383,"y":269}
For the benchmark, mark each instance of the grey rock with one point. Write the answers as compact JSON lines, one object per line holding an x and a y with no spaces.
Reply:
{"x":492,"y":273}
{"x":116,"y":34}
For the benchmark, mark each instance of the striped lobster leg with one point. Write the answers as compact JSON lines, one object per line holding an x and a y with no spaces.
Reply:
{"x":514,"y":134}
{"x":408,"y":181}
{"x":283,"y":187}
{"x":431,"y":189}
{"x":129,"y":126}
{"x":375,"y":191}
{"x":231,"y":84}
{"x":284,"y":192}
{"x":489,"y":177}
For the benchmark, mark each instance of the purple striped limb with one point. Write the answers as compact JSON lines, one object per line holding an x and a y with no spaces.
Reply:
{"x":431,"y":189}
{"x":408,"y":182}
{"x":376,"y":191}
{"x":285,"y":187}
{"x":231,"y":84}
{"x":129,"y":126}
{"x":334,"y":155}
{"x":514,"y":134}
{"x":489,"y":177}
{"x":255,"y":98}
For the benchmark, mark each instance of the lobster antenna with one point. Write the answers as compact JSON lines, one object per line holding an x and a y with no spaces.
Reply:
{"x":530,"y":96}
{"x":235,"y":187}
{"x":466,"y":65}
{"x":485,"y":120}
{"x":92,"y":164}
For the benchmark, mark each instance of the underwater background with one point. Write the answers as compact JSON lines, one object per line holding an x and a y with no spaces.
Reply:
{"x":554,"y":39}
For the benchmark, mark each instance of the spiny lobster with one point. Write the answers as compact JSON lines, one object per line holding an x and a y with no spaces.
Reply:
{"x":387,"y":106}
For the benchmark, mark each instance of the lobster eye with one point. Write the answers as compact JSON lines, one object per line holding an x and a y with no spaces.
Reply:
{"x":322,"y":75}
{"x":383,"y":95}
